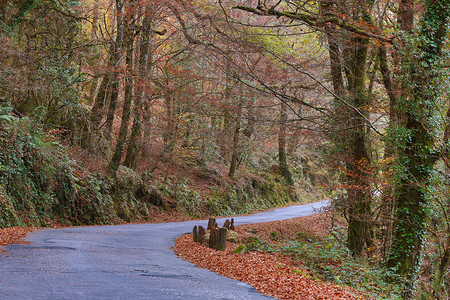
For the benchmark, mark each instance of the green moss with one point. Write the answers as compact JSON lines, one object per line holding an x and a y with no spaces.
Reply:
{"x":241,"y":249}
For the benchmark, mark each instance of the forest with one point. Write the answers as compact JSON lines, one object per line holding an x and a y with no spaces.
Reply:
{"x":114,"y":110}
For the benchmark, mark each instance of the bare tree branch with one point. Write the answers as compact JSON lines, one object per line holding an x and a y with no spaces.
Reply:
{"x":314,"y":21}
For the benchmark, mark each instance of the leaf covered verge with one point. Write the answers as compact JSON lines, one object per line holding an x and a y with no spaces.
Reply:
{"x":292,"y":259}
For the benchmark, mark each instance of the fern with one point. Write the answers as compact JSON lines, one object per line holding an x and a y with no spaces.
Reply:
{"x":5,"y":115}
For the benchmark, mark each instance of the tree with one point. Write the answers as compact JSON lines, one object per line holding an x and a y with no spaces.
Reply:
{"x":415,"y":117}
{"x":145,"y":62}
{"x":129,"y":34}
{"x":109,"y":87}
{"x":420,"y":118}
{"x":348,"y":51}
{"x":282,"y":156}
{"x":39,"y":74}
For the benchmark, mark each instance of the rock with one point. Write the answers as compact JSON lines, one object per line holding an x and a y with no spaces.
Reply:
{"x":241,"y":249}
{"x":154,"y":197}
{"x":127,"y":178}
{"x":205,"y":239}
{"x":233,"y":236}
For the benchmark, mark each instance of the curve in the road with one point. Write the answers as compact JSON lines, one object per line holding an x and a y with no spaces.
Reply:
{"x":121,"y":262}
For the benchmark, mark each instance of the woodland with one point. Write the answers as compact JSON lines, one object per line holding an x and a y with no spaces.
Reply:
{"x":114,"y":110}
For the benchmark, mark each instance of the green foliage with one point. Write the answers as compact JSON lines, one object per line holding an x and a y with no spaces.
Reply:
{"x":248,"y":196}
{"x":187,"y":198}
{"x":27,"y":187}
{"x":5,"y":116}
{"x":241,"y":249}
{"x":329,"y":260}
{"x":251,"y":195}
{"x":42,"y":72}
{"x":38,"y":181}
{"x":258,"y":245}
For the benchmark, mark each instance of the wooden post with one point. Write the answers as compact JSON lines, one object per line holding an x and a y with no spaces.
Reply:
{"x":213,"y":238}
{"x":227,"y":224}
{"x":222,"y":238}
{"x":232,"y":224}
{"x":201,"y":233}
{"x":195,"y":233}
{"x":211,"y":224}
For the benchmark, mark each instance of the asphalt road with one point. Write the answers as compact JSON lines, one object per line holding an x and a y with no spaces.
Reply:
{"x":120,"y":262}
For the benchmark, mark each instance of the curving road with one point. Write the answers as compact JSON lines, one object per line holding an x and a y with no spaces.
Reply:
{"x":121,"y":262}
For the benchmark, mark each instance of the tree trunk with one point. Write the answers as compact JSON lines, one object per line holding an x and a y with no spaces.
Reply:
{"x":101,"y":99}
{"x":359,"y":231}
{"x":145,"y":60}
{"x":358,"y":201}
{"x":282,"y":159}
{"x":334,"y":51}
{"x":235,"y":153}
{"x":127,"y":105}
{"x":94,"y":21}
{"x":387,"y":196}
{"x":171,"y":123}
{"x":115,"y":74}
{"x":444,"y":262}
{"x":249,"y":129}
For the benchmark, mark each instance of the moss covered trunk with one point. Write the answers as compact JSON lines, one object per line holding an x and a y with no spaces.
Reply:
{"x":411,"y":212}
{"x":359,"y":174}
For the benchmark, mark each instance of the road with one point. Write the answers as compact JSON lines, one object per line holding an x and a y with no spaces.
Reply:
{"x":121,"y":262}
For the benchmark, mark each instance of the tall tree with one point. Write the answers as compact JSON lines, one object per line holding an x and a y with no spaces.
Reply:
{"x":282,"y":156}
{"x":417,"y":140}
{"x":145,"y":62}
{"x":129,"y":36}
{"x":108,"y":92}
{"x":348,"y":50}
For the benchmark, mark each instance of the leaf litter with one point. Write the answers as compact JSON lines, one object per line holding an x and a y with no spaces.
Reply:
{"x":272,"y":274}
{"x":14,"y":235}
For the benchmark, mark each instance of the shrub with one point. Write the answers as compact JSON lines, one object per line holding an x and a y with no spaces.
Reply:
{"x":38,"y":182}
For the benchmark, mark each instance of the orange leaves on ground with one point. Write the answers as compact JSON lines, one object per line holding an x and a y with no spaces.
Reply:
{"x":269,"y":274}
{"x":288,"y":229}
{"x":13,"y":235}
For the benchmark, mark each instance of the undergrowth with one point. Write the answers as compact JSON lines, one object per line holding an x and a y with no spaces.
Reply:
{"x":329,"y":260}
{"x":41,"y":184}
{"x":38,"y":182}
{"x":226,"y":199}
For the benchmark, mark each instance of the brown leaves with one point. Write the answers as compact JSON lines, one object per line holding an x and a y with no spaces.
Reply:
{"x":13,"y":235}
{"x":314,"y":226}
{"x":269,"y":274}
